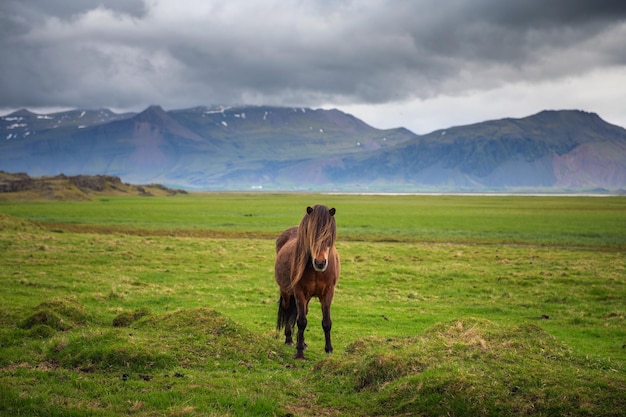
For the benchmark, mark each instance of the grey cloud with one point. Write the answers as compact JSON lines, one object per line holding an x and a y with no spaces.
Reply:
{"x":541,"y":13}
{"x":37,"y":10}
{"x":133,"y":53}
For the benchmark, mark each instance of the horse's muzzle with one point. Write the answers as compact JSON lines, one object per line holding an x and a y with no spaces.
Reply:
{"x":320,"y":266}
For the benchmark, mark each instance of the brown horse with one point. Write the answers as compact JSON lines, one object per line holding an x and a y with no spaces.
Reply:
{"x":307,"y":265}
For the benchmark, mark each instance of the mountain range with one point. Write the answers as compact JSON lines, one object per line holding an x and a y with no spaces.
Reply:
{"x":284,"y":148}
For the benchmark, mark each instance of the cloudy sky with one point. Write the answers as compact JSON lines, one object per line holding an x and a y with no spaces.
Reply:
{"x":422,"y":64}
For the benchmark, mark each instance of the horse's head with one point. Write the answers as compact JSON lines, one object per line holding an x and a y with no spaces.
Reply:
{"x":318,"y":230}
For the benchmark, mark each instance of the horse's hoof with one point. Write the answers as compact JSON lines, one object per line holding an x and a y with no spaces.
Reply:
{"x":300,"y":357}
{"x":289,"y":343}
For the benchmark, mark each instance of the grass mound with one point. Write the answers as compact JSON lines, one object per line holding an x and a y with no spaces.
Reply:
{"x":45,"y":318}
{"x":141,"y":342}
{"x":200,"y":320}
{"x":203,"y":337}
{"x":59,"y":313}
{"x":107,"y":351}
{"x":126,"y":318}
{"x":473,"y":367}
{"x":15,"y":224}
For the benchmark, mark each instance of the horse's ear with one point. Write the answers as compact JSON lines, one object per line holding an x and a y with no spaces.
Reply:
{"x":309,"y":210}
{"x":332,"y":211}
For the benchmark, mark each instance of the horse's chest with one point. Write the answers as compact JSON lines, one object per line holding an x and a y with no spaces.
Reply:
{"x":318,"y":283}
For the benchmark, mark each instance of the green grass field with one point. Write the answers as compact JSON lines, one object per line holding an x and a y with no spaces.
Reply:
{"x":447,"y":305}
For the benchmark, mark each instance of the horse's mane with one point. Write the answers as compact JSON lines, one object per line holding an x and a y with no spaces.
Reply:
{"x":317,"y":228}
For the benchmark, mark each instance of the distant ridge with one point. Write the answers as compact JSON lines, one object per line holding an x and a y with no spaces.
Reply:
{"x":22,"y":113}
{"x":552,"y":150}
{"x":289,"y":148}
{"x":20,"y":186}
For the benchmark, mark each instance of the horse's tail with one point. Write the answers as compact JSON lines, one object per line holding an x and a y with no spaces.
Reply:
{"x":285,"y":313}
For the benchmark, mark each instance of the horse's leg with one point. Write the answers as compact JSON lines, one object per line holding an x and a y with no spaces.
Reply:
{"x":289,"y":333}
{"x":327,"y":323}
{"x":301,"y":321}
{"x":287,"y":315}
{"x":289,"y":324}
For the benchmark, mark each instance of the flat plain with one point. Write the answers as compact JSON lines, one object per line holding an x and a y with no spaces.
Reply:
{"x":447,"y":305}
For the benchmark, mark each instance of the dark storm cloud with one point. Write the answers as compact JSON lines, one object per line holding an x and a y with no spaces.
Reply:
{"x":181,"y":53}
